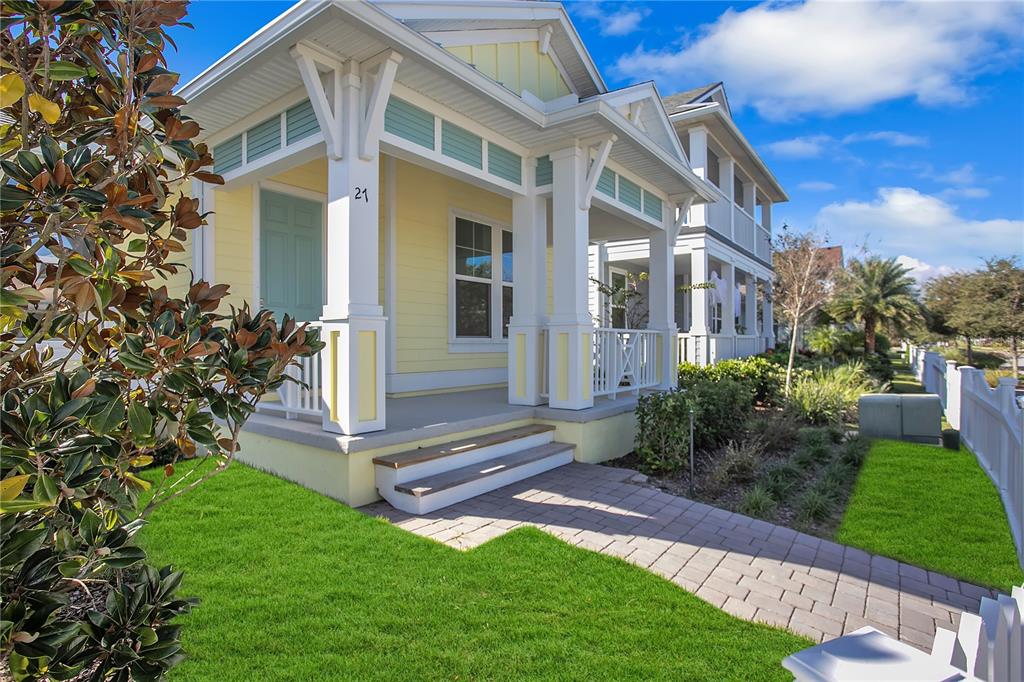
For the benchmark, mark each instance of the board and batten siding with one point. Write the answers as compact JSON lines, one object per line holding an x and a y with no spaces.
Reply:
{"x":517,"y":66}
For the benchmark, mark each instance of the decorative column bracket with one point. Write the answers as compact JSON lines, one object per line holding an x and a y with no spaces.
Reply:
{"x":328,"y":107}
{"x":604,"y":148}
{"x":682,"y":208}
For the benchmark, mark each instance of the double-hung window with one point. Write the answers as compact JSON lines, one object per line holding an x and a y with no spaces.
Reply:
{"x":482,"y":281}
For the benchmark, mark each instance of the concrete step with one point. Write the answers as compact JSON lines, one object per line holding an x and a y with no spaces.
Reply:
{"x":434,"y":492}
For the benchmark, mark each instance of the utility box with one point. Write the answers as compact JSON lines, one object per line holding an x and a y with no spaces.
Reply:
{"x":915,"y":418}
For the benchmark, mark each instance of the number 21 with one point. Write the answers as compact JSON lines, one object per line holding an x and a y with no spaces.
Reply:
{"x":362,"y":193}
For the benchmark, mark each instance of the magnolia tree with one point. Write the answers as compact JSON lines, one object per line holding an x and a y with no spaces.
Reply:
{"x":804,"y":277}
{"x":98,"y":156}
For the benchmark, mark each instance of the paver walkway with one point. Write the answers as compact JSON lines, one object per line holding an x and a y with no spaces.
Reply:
{"x":753,"y":569}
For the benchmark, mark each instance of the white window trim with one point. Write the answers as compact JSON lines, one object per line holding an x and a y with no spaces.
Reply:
{"x":496,"y":343}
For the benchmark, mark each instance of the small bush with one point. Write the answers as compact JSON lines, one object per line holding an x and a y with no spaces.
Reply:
{"x":782,"y":479}
{"x":879,"y":367}
{"x":777,"y":430}
{"x":830,"y":396}
{"x":815,"y":447}
{"x":837,"y":475}
{"x":738,"y":464}
{"x":721,"y":410}
{"x":764,"y":378}
{"x":854,"y":451}
{"x":817,"y":504}
{"x":758,"y":502}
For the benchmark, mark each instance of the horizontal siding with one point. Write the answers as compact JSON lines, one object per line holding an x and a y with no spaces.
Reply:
{"x":652,"y":206}
{"x":504,"y":164}
{"x":300,"y":122}
{"x":545,"y":170}
{"x":629,"y":193}
{"x":462,"y":145}
{"x":227,"y":155}
{"x":409,"y":122}
{"x":263,"y":139}
{"x":606,"y":183}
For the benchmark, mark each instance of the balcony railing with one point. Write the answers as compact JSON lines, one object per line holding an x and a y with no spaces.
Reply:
{"x":299,"y":399}
{"x":625,"y":360}
{"x":742,"y":228}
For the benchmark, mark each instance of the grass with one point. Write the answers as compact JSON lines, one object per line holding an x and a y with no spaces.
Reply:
{"x":295,"y":586}
{"x":903,"y":380}
{"x":934,"y":508}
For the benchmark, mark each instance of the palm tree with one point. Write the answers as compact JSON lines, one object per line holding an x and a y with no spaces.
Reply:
{"x":873,"y":291}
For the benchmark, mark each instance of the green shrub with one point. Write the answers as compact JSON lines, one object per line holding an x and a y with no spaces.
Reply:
{"x":879,"y":367}
{"x":758,"y":502}
{"x":816,"y":504}
{"x":830,"y":396}
{"x":854,"y":451}
{"x":836,"y":476}
{"x":777,"y":430}
{"x":764,"y":378}
{"x":721,"y":409}
{"x":663,"y":431}
{"x":781,"y":479}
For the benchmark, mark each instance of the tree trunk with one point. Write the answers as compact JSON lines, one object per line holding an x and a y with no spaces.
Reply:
{"x":970,"y":352}
{"x":1014,"y":362}
{"x":792,"y":353}
{"x":870,"y":323}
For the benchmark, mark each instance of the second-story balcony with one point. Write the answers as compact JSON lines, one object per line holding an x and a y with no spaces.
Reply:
{"x":736,"y":224}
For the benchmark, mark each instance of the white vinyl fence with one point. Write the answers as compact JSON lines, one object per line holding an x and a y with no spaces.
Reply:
{"x":991,"y":425}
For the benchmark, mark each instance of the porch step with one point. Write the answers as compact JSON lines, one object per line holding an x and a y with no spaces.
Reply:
{"x":409,"y":458}
{"x":430,"y":493}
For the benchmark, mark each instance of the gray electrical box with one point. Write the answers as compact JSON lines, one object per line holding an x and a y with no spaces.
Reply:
{"x":916,"y":418}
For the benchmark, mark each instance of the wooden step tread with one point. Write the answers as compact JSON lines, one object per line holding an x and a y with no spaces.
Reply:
{"x":490,"y":467}
{"x":457,"y":447}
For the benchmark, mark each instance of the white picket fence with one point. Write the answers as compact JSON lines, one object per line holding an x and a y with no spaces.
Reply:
{"x":991,"y":425}
{"x":988,"y":646}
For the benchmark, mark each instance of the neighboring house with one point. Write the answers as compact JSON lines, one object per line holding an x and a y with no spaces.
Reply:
{"x":725,"y":244}
{"x":424,"y":182}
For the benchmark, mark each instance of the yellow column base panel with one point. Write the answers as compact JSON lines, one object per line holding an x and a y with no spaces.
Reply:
{"x":521,"y":365}
{"x":367,"y":375}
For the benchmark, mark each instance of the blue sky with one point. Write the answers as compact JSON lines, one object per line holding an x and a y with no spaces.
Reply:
{"x":896,"y":126}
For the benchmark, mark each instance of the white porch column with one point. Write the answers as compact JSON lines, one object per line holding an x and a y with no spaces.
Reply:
{"x":661,"y":302}
{"x":202,"y":240}
{"x":766,"y":214}
{"x":353,"y":320}
{"x":728,"y":299}
{"x":699,"y":164}
{"x":726,"y":177}
{"x":571,"y":331}
{"x":529,"y":295}
{"x":699,"y":306}
{"x":768,"y":318}
{"x":750,"y":198}
{"x":597,"y":264}
{"x":750,"y":306}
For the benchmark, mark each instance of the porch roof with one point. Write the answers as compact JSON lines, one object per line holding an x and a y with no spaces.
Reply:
{"x":258,"y":73}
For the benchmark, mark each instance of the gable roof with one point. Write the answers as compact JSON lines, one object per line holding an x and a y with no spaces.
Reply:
{"x":680,"y":99}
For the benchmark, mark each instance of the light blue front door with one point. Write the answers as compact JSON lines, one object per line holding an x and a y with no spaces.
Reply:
{"x":291,"y":255}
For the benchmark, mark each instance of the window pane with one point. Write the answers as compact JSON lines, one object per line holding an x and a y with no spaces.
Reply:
{"x":506,"y":255}
{"x":472,"y":309}
{"x":506,"y":309}
{"x":619,"y":318}
{"x":619,"y":285}
{"x":713,"y":168}
{"x":472,"y":249}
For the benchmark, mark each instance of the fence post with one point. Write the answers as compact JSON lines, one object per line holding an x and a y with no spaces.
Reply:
{"x":952,"y":394}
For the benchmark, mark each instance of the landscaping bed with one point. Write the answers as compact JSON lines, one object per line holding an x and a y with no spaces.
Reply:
{"x":293,"y":585}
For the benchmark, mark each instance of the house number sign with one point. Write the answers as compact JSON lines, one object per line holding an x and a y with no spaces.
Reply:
{"x":362,"y":193}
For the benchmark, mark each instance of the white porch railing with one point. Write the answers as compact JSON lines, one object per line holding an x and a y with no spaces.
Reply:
{"x":624,"y":360}
{"x":705,"y":350}
{"x":719,"y":216}
{"x":764,"y":244}
{"x":296,"y":399}
{"x":991,"y":424}
{"x":743,"y":228}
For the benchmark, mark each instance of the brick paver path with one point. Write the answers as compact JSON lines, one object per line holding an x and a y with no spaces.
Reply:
{"x":753,"y":569}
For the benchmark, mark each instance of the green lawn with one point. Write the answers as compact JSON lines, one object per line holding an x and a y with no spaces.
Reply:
{"x":934,"y":508}
{"x":295,"y":586}
{"x":903,"y":380}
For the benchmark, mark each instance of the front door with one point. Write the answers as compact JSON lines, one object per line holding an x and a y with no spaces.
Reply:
{"x":291,"y":253}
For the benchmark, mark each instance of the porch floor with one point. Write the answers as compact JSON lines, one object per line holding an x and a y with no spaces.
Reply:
{"x":753,"y":569}
{"x":420,"y":417}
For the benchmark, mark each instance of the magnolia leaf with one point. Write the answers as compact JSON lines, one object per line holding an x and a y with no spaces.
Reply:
{"x":44,"y":107}
{"x":141,"y":482}
{"x":139,"y":419}
{"x":11,"y":487}
{"x":61,"y":71}
{"x":21,"y":505}
{"x":12,"y":88}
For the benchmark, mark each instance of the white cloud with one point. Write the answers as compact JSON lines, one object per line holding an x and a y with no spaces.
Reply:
{"x":816,"y":186}
{"x":620,"y":22}
{"x":965,"y":193}
{"x":892,"y":137}
{"x":922,"y":271}
{"x":964,"y":175}
{"x":902,"y":221}
{"x":807,"y":147}
{"x":788,"y":59}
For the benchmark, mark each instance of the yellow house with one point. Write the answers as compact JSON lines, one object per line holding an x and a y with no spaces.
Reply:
{"x":426,"y":182}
